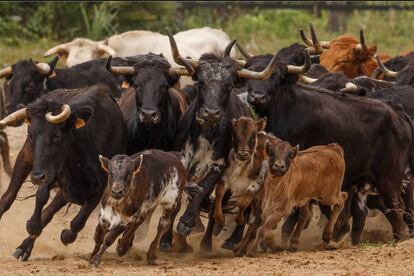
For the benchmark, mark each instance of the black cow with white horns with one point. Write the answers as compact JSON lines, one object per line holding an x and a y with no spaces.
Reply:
{"x":68,"y":130}
{"x":204,"y":130}
{"x":377,"y":137}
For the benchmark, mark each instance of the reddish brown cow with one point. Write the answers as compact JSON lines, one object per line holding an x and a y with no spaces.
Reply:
{"x":295,"y":178}
{"x":137,"y":184}
{"x":345,"y":54}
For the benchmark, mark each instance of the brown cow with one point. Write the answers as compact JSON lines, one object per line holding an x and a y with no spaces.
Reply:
{"x":295,"y":178}
{"x":345,"y":54}
{"x":137,"y":184}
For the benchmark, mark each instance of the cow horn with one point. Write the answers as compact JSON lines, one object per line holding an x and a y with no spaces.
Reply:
{"x":243,"y":51}
{"x":305,"y":39}
{"x":6,"y":72}
{"x":292,"y":69}
{"x":382,"y":68}
{"x":306,"y":79}
{"x":187,"y":63}
{"x":267,"y":72}
{"x":61,"y":117}
{"x":122,"y":70}
{"x":13,"y":118}
{"x":59,"y":50}
{"x":362,"y":46}
{"x":180,"y":71}
{"x":228,"y":48}
{"x":106,"y":49}
{"x":41,"y":68}
{"x":349,"y":87}
{"x":318,"y":45}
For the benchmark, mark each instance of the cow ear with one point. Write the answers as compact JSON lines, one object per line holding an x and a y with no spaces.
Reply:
{"x":138,"y":163}
{"x":295,"y":150}
{"x":104,"y":163}
{"x":82,"y":115}
{"x":269,"y":147}
{"x":261,"y":124}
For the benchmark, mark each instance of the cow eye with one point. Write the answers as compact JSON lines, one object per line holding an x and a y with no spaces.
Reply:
{"x":57,"y":137}
{"x":136,"y":85}
{"x":29,"y":87}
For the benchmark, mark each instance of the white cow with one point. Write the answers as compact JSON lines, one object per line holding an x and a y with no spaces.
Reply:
{"x":192,"y":43}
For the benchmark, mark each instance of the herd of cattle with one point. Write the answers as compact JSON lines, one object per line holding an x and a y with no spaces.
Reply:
{"x":264,"y":137}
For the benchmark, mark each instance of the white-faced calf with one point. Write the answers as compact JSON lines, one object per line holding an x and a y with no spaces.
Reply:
{"x":137,"y":184}
{"x":295,"y":178}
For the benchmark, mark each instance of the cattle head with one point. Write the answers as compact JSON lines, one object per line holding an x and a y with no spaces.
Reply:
{"x":281,"y":154}
{"x":26,"y":81}
{"x":51,"y":134}
{"x":346,"y":54}
{"x":151,"y":78}
{"x":215,"y":75}
{"x":403,"y":77}
{"x":245,"y":136}
{"x":261,"y":93}
{"x":81,"y":50}
{"x":121,"y":170}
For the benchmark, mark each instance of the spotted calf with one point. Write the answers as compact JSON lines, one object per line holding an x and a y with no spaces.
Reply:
{"x":137,"y":184}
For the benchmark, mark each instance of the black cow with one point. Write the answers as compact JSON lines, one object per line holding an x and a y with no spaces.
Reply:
{"x":376,"y":137}
{"x":395,"y":64}
{"x":205,"y":129}
{"x":28,"y":80}
{"x":68,"y":129}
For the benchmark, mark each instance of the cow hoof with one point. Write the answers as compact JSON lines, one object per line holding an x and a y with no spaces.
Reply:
{"x":165,"y":246}
{"x":33,"y":228}
{"x":183,"y":229}
{"x":229,"y":245}
{"x":68,"y":237}
{"x":206,"y":245}
{"x":94,"y":261}
{"x":217,"y":229}
{"x":121,"y":249}
{"x":151,"y":259}
{"x":21,"y":254}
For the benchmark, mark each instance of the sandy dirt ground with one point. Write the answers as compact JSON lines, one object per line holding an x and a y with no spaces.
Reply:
{"x":50,"y":257}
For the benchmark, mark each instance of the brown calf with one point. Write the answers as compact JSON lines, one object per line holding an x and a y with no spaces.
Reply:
{"x":246,"y":168}
{"x":295,"y":178}
{"x":136,"y":185}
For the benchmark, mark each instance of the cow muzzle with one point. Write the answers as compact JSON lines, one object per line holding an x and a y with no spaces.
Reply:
{"x":151,"y":117}
{"x":38,"y":177}
{"x":210,"y":114}
{"x":255,"y":98}
{"x":117,"y":192}
{"x":278,"y":168}
{"x":243,"y":155}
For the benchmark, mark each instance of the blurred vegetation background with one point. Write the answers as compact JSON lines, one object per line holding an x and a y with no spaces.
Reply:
{"x":29,"y":29}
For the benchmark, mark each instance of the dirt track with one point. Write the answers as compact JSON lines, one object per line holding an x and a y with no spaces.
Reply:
{"x":51,"y":257}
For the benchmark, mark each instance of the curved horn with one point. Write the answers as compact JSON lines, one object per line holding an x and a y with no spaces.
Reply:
{"x":243,"y":51}
{"x":383,"y":69}
{"x":13,"y":118}
{"x":228,"y":48}
{"x":267,"y":72}
{"x":61,"y":49}
{"x":306,"y":79}
{"x":180,"y":71}
{"x":349,"y":87}
{"x":106,"y":49}
{"x":6,"y":72}
{"x":177,"y":57}
{"x":362,"y":46}
{"x":61,"y":117}
{"x":305,"y":39}
{"x":122,"y":70}
{"x":41,"y":68}
{"x":318,"y":45}
{"x":292,"y":69}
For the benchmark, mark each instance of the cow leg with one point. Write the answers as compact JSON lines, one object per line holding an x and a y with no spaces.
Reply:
{"x":111,"y":236}
{"x":304,"y":215}
{"x":24,"y":250}
{"x":78,"y":222}
{"x":163,"y":226}
{"x":34,"y":224}
{"x":188,"y":219}
{"x":263,"y":232}
{"x":288,"y":226}
{"x":5,"y":153}
{"x":394,"y":213}
{"x":21,"y":170}
{"x":237,"y":235}
{"x":99,"y":236}
{"x":126,"y":241}
{"x":337,"y":209}
{"x":206,"y":243}
{"x":218,"y":205}
{"x":251,"y":233}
